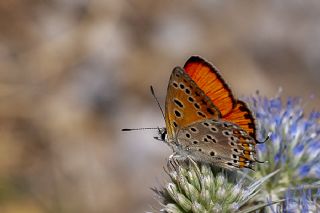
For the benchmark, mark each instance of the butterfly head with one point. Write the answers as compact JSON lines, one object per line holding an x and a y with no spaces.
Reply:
{"x":162,"y":134}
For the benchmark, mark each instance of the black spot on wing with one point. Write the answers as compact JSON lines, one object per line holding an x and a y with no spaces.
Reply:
{"x":178,"y":103}
{"x":177,"y":113}
{"x":210,"y":111}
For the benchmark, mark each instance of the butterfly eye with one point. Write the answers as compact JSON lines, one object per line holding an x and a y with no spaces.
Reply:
{"x":212,"y":153}
{"x":163,"y":134}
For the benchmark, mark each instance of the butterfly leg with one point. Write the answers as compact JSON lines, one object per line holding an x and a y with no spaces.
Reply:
{"x":174,"y":159}
{"x":176,"y":156}
{"x":172,"y":156}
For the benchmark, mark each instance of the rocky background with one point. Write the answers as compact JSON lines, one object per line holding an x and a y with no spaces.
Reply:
{"x":73,"y":73}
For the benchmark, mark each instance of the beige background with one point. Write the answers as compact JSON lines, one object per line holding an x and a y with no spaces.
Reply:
{"x":73,"y":73}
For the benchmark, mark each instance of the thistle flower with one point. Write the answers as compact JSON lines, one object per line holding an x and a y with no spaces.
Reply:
{"x":294,"y":145}
{"x":203,"y":188}
{"x":301,"y":199}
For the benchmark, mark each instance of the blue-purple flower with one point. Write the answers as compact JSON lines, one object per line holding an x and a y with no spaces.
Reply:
{"x":304,"y":198}
{"x":294,"y":145}
{"x":287,"y":182}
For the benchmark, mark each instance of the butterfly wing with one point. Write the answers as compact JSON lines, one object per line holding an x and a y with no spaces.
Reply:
{"x":209,"y":80}
{"x":242,"y":116}
{"x":186,"y":103}
{"x":220,"y":143}
{"x":207,"y":77}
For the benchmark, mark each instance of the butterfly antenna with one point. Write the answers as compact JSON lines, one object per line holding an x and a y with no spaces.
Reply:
{"x":155,"y":97}
{"x":139,"y":129}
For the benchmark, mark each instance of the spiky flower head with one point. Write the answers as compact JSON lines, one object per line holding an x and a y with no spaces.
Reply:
{"x":199,"y":187}
{"x":304,"y":198}
{"x":294,"y":145}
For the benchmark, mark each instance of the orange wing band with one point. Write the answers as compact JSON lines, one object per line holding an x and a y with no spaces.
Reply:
{"x":211,"y":83}
{"x":242,"y":116}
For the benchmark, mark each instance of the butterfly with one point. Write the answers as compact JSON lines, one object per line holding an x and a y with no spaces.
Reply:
{"x":203,"y":119}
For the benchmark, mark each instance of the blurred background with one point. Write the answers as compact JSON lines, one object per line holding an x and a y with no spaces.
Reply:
{"x":73,"y":73}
